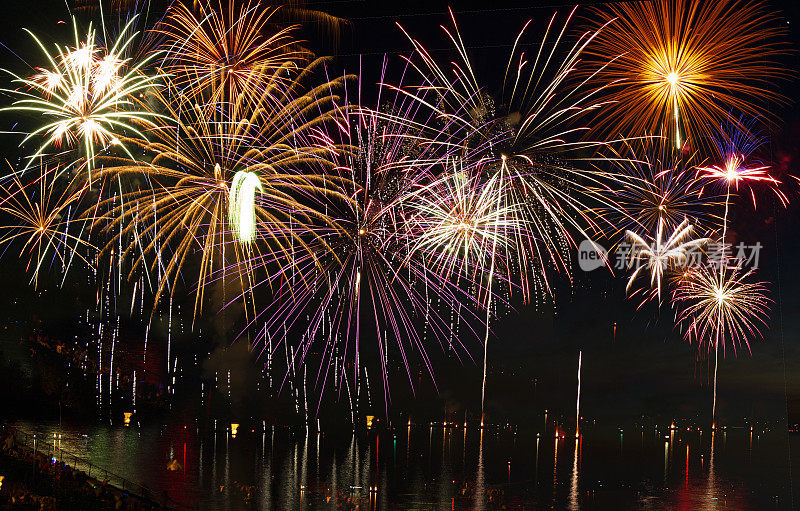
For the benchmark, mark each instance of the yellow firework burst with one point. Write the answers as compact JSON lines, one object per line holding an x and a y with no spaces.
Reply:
{"x":190,"y":170}
{"x":229,"y":53}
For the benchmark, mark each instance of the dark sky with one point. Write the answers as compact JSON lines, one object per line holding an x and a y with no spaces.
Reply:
{"x":648,"y":368}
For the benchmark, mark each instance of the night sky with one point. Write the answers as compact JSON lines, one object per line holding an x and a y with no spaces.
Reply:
{"x":647,"y":368}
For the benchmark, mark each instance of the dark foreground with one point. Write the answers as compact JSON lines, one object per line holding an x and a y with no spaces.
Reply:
{"x":32,"y":478}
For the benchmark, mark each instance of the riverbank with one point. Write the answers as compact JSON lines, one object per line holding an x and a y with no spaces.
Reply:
{"x":32,"y":480}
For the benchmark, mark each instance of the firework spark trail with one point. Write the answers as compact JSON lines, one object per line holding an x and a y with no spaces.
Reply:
{"x":578,"y":400}
{"x":241,"y":205}
{"x":490,"y":278}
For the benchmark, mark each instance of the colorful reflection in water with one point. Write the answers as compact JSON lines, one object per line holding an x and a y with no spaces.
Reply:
{"x":422,"y":467}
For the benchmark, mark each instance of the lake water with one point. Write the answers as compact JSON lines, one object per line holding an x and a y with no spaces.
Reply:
{"x":424,"y":467}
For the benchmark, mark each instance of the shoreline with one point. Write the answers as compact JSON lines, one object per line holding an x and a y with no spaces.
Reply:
{"x":32,"y":478}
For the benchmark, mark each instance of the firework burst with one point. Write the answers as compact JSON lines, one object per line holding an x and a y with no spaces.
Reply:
{"x":89,"y":95}
{"x":736,"y":143}
{"x":531,"y":132}
{"x":230,"y":54}
{"x":203,"y":171}
{"x":40,"y":220}
{"x":661,"y":254}
{"x":657,"y":184}
{"x":716,"y":306}
{"x":679,"y":66}
{"x":462,"y":222}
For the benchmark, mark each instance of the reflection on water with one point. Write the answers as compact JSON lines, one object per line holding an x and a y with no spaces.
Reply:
{"x":555,"y":469}
{"x":711,"y":480}
{"x":440,"y":468}
{"x":574,"y":504}
{"x":480,"y":478}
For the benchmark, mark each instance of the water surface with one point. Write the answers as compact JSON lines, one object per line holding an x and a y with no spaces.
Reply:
{"x":425,"y":467}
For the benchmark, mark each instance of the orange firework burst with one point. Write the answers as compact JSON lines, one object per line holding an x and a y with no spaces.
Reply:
{"x":681,"y":65}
